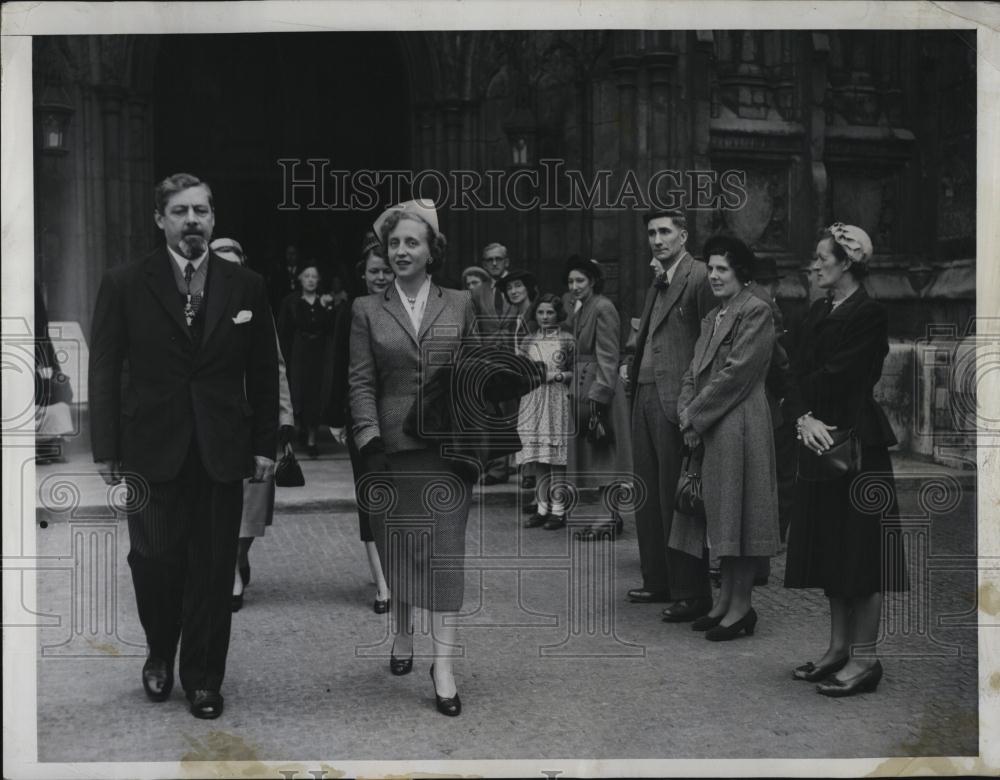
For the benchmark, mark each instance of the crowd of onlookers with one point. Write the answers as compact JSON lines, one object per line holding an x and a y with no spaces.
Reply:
{"x":705,"y":382}
{"x":701,"y":424}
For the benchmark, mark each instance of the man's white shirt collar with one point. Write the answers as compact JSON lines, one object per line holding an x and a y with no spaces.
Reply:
{"x":672,"y":270}
{"x":183,"y":261}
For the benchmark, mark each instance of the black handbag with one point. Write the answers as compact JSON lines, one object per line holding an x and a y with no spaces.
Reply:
{"x":689,"y":499}
{"x":598,"y":430}
{"x":288,"y":472}
{"x":842,"y":459}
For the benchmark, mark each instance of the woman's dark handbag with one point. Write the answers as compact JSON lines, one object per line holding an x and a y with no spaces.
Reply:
{"x":842,"y":459}
{"x":598,"y":430}
{"x":689,"y":500}
{"x":288,"y":472}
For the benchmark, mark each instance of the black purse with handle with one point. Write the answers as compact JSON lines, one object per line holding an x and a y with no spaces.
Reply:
{"x":288,"y":472}
{"x":688,"y":499}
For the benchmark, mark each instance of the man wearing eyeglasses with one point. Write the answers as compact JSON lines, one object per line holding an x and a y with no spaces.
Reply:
{"x":496,"y":263}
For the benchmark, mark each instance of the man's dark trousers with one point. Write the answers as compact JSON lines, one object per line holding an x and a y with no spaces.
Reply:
{"x":183,"y":536}
{"x":657,"y":445}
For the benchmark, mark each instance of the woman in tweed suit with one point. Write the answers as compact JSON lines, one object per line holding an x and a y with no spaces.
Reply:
{"x":722,"y":403}
{"x":418,"y":506}
{"x":597,"y":391}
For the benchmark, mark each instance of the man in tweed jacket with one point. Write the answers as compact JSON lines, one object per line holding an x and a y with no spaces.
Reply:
{"x":676,"y":302}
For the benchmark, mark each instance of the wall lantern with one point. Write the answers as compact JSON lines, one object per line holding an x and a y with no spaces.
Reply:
{"x":52,"y":114}
{"x":521,"y":131}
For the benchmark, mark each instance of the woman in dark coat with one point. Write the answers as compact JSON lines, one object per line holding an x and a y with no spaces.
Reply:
{"x":305,"y":329}
{"x":723,"y":405}
{"x":597,"y":391}
{"x":520,"y":289}
{"x":836,"y":539}
{"x":376,"y":275}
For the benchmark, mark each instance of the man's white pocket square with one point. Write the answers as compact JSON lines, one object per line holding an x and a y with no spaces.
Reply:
{"x":244,"y":316}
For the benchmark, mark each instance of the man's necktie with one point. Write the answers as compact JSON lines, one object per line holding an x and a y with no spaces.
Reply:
{"x":497,"y":299}
{"x":661,"y":283}
{"x":193,"y":301}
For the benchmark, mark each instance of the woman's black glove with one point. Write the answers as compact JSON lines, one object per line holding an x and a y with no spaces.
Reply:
{"x":375,"y":458}
{"x":286,"y":435}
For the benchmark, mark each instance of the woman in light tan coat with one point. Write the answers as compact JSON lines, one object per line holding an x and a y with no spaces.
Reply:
{"x":722,"y":404}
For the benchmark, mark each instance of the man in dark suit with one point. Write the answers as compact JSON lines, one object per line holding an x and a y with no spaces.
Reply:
{"x":496,"y":262}
{"x":197,"y":413}
{"x":678,"y":299}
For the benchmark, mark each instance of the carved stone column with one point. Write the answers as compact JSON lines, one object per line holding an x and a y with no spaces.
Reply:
{"x":704,"y":47}
{"x":625,"y":68}
{"x":112,"y":100}
{"x":661,"y":66}
{"x":816,"y":124}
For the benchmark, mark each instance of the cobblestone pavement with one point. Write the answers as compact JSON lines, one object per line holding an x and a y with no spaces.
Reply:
{"x":308,"y":677}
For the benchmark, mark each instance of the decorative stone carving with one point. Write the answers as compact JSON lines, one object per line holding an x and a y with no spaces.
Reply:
{"x":54,"y":61}
{"x":114,"y":54}
{"x":867,"y":198}
{"x":743,"y":89}
{"x":763,"y":221}
{"x":957,"y":196}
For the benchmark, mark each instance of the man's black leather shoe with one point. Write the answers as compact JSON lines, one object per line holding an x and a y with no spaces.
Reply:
{"x":535,"y":520}
{"x":643,"y":596}
{"x":205,"y":704}
{"x":554,"y":522}
{"x":687,"y":609}
{"x":157,"y":679}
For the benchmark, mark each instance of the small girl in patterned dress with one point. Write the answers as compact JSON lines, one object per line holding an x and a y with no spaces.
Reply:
{"x":544,"y":413}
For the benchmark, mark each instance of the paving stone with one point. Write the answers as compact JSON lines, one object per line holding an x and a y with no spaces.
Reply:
{"x":307,"y":672}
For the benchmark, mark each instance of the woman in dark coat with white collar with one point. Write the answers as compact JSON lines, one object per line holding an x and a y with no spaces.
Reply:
{"x":722,"y":404}
{"x":837,"y":538}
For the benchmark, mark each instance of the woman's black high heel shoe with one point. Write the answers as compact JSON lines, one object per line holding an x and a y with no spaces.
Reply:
{"x":706,"y":622}
{"x":864,"y":682}
{"x":724,"y":633}
{"x":400,"y":666}
{"x":380,"y":607}
{"x":810,"y":672}
{"x":450,"y":707}
{"x":245,"y":574}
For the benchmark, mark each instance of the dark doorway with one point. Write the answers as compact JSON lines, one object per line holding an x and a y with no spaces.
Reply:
{"x":228,"y":107}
